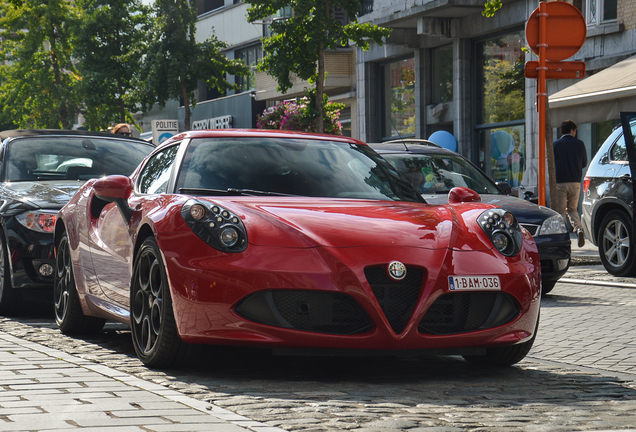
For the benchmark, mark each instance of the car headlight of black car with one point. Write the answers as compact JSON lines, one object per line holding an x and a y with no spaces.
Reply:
{"x":503,"y":230}
{"x":216,"y":226}
{"x":41,"y":221}
{"x":553,"y":225}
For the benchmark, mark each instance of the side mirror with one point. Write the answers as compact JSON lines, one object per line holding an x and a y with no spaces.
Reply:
{"x":117,"y":189}
{"x":505,"y":187}
{"x":463,"y":195}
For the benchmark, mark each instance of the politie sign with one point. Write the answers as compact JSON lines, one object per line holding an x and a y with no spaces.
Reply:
{"x":164,"y":129}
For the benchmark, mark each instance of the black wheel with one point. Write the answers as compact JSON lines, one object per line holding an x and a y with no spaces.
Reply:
{"x":10,"y":299}
{"x":154,"y":330}
{"x":614,"y":245}
{"x":504,"y":356}
{"x":547,"y":286}
{"x":68,"y":310}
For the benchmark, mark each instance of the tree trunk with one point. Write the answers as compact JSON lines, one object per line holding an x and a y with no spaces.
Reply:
{"x":320,"y":89}
{"x":186,"y":104}
{"x":549,"y":154}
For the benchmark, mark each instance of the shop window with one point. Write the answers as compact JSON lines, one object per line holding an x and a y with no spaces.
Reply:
{"x":399,"y":98}
{"x":345,"y":121}
{"x":442,"y":74}
{"x":503,"y":153}
{"x":204,"y":6}
{"x":250,"y":57}
{"x":501,"y":108}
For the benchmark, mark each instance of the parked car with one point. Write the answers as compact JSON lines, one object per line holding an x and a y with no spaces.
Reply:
{"x":607,"y":206}
{"x":437,"y":170}
{"x":39,"y":172}
{"x":291,"y":241}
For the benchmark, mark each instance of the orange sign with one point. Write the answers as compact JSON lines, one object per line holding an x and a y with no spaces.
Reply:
{"x":556,"y":69}
{"x":565,"y":32}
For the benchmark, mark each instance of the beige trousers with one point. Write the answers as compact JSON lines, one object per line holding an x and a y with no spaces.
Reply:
{"x":567,"y":203}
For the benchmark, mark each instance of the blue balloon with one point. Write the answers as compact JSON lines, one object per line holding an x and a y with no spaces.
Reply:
{"x":444,"y":139}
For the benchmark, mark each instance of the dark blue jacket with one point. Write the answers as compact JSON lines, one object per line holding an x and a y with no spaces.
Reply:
{"x":570,"y":158}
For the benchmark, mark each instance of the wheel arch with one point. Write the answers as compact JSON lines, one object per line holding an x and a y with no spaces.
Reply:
{"x":602,"y":209}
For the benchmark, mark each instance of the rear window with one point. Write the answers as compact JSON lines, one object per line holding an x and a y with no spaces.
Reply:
{"x":71,"y":158}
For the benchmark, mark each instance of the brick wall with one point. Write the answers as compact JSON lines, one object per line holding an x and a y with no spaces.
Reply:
{"x":627,"y":13}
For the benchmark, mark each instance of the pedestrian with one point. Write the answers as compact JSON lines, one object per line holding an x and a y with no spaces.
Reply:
{"x":122,"y":129}
{"x":570,"y":157}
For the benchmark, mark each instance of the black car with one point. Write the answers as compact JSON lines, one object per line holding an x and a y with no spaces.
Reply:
{"x":607,"y":206}
{"x":434,"y":171}
{"x":40,"y":170}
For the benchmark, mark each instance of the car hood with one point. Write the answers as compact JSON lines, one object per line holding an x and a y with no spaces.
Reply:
{"x":41,"y":194}
{"x":356,"y":223}
{"x":525,"y":211}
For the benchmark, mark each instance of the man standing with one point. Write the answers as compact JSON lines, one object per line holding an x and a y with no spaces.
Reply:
{"x":570,"y":158}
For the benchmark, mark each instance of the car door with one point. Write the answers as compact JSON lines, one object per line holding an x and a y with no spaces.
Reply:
{"x":110,"y":238}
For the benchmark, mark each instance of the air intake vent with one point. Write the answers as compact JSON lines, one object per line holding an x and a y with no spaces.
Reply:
{"x":397,"y":298}
{"x":461,"y":312}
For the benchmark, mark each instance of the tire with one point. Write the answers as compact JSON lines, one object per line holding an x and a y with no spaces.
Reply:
{"x":504,"y":356}
{"x":68,"y":311}
{"x":614,"y":244}
{"x":10,"y":299}
{"x":547,"y":286}
{"x":153,"y":327}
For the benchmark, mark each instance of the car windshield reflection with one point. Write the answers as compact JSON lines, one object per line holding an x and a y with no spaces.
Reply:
{"x":300,"y":167}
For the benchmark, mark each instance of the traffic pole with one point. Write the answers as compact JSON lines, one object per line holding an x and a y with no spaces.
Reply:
{"x":541,"y":95}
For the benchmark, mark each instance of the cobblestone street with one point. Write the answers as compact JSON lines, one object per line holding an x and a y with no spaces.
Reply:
{"x":580,"y":375}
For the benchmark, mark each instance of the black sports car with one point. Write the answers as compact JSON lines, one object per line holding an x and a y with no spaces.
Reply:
{"x":434,"y":171}
{"x":40,"y":170}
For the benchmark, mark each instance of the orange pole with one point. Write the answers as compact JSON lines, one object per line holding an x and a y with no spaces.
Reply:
{"x":541,"y":95}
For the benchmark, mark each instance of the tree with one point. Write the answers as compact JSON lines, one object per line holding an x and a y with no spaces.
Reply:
{"x":110,"y":41}
{"x":38,"y":79}
{"x":298,"y":43}
{"x":175,"y":61}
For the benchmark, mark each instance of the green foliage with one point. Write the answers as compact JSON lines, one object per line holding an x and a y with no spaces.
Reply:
{"x":490,"y":7}
{"x":297,"y":42}
{"x":110,"y":41}
{"x":301,"y":115}
{"x":38,"y":79}
{"x":175,"y":61}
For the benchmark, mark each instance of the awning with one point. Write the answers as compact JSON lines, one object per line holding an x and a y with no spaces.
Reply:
{"x":599,"y":97}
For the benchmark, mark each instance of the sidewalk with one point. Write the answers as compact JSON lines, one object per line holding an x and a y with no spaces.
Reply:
{"x":587,"y":255}
{"x":43,"y":389}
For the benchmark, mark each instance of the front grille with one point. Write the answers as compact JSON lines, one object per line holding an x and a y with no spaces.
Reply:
{"x":397,"y":298}
{"x":461,"y":312}
{"x":313,"y":311}
{"x":532,"y":229}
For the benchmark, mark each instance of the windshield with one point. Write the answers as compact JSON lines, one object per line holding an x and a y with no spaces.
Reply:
{"x":302,"y":167}
{"x":439,"y":173}
{"x":71,"y":158}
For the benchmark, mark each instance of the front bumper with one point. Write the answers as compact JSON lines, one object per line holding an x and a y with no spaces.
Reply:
{"x":210,"y":295}
{"x":554,"y":252}
{"x":28,"y":252}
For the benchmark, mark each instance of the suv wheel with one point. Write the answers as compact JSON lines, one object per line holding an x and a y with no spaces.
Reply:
{"x":614,"y":244}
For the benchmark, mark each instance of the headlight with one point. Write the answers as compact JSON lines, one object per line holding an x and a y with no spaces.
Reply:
{"x":553,"y":225}
{"x":215,"y":225}
{"x":39,"y":221}
{"x":502,"y":229}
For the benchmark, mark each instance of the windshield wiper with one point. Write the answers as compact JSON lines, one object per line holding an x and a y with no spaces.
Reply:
{"x":231,"y":191}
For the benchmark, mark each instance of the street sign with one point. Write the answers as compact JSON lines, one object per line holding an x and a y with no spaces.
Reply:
{"x":556,"y":69}
{"x":565,"y":32}
{"x":164,"y":129}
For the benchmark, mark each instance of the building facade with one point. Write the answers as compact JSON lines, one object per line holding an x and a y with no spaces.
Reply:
{"x":447,"y":67}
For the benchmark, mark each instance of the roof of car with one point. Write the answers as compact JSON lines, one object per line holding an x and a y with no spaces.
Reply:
{"x":13,"y":133}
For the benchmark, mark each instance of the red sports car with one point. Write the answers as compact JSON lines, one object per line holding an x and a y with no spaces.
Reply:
{"x":294,"y":242}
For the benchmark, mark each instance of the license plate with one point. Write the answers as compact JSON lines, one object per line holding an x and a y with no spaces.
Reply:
{"x":456,"y":283}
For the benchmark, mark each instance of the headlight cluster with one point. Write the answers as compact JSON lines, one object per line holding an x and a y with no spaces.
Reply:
{"x":502,"y":229}
{"x":39,"y":221}
{"x":215,"y":225}
{"x":553,"y":225}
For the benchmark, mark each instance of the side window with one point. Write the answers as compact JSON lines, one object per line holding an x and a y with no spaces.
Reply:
{"x":156,"y":174}
{"x":618,"y":152}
